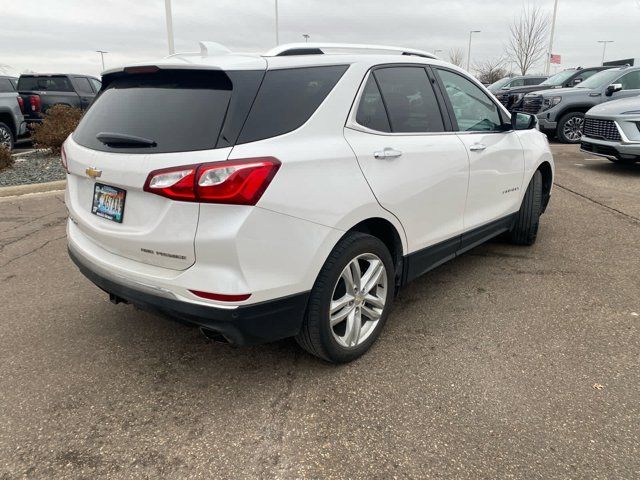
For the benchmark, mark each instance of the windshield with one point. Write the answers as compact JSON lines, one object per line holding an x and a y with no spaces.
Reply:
{"x":499,"y":84}
{"x":600,"y":79}
{"x":559,"y":78}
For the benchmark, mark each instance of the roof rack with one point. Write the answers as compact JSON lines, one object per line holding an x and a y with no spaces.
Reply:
{"x":319,"y":48}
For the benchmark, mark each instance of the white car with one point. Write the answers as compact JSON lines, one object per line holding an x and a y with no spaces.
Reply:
{"x":293,"y":193}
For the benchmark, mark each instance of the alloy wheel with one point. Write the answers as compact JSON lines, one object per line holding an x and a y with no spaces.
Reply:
{"x":573,"y":128}
{"x":5,"y":137}
{"x":358,"y":300}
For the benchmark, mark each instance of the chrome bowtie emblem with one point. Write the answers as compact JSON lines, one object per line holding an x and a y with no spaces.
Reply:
{"x":93,"y":172}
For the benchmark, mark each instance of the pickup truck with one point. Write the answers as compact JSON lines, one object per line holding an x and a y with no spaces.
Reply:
{"x":41,"y":91}
{"x":12,"y":124}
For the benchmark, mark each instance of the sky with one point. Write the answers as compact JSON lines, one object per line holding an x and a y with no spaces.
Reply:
{"x":62,"y":35}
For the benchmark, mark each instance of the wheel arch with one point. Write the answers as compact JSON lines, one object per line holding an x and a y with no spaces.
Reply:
{"x":547,"y":181}
{"x":7,"y":118}
{"x":574,"y":109}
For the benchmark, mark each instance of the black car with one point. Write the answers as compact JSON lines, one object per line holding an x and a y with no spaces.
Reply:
{"x":41,"y":91}
{"x":512,"y":99}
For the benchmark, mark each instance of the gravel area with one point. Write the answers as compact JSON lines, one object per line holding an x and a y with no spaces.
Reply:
{"x":34,"y":167}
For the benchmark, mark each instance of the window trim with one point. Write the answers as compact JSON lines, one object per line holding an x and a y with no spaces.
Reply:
{"x":505,"y":117}
{"x":352,"y":123}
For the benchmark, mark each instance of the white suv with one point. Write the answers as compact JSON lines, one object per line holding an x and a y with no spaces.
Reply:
{"x":261,"y":197}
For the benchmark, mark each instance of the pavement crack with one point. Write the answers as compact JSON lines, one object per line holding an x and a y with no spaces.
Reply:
{"x":631,"y":217}
{"x":33,"y":250}
{"x":54,"y":223}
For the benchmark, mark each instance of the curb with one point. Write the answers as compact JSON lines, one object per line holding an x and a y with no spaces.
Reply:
{"x":32,"y":188}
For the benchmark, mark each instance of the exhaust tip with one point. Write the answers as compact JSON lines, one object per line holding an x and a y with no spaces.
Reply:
{"x":214,"y":336}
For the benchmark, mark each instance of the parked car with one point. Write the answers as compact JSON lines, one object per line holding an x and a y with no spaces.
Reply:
{"x":612,"y":130}
{"x":12,"y":124}
{"x":518,"y":81}
{"x":561,"y":111}
{"x":256,"y":213}
{"x":512,"y":98}
{"x":41,"y":91}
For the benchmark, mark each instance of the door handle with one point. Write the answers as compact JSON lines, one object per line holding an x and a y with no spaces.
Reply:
{"x":477,"y":147}
{"x":387,"y":153}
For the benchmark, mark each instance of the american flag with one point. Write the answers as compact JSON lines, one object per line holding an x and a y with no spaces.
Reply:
{"x":556,"y":59}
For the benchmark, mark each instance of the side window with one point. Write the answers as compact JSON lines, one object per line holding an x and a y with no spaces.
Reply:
{"x":286,"y":100}
{"x":371,"y":112}
{"x":82,"y":85}
{"x":533,"y":81}
{"x":6,"y":85}
{"x":518,"y":82}
{"x":410,"y":100}
{"x":96,"y":84}
{"x":630,"y":81}
{"x":473,"y":109}
{"x":584,"y":75}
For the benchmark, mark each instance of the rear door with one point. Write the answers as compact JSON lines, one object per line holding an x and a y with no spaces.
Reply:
{"x":417,"y":169}
{"x":84,"y":91}
{"x":183,"y":113}
{"x":496,"y":156}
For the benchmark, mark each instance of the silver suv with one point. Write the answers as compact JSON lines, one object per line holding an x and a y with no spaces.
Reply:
{"x":612,"y":130}
{"x":561,"y":111}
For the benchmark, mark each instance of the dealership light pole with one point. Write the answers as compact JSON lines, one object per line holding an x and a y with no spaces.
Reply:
{"x":277,"y":34}
{"x":102,"y":52}
{"x":469,"y":51}
{"x":306,"y":37}
{"x":604,"y":47}
{"x":553,"y":31}
{"x":167,"y":7}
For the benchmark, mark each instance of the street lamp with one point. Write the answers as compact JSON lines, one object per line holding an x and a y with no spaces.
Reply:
{"x":277,"y":35}
{"x":102,"y":52}
{"x":604,"y":47}
{"x":471,"y":32}
{"x":306,"y":37}
{"x":167,"y":8}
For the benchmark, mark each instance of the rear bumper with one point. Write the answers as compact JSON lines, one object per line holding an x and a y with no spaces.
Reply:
{"x":241,"y":325}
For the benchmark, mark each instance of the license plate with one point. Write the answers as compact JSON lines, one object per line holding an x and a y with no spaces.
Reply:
{"x":108,"y":202}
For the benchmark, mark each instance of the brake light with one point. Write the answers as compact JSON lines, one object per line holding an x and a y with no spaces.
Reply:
{"x":221,"y":297}
{"x":34,"y":102}
{"x":238,"y":182}
{"x":21,"y":104}
{"x":63,"y":159}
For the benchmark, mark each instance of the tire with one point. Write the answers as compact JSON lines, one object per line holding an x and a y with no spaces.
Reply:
{"x":525,"y":228}
{"x":6,"y":136}
{"x":570,"y":127}
{"x":333,"y":343}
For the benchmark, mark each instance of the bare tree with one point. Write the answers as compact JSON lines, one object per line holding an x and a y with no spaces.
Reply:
{"x":456,"y":56}
{"x":529,"y":38}
{"x":491,"y":70}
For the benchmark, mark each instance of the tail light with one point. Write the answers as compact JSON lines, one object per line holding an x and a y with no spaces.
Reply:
{"x":21,"y":104}
{"x":237,"y":182}
{"x":221,"y":297}
{"x":63,"y":159}
{"x":34,"y":102}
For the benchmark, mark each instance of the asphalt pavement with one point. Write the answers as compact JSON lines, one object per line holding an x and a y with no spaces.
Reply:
{"x":508,"y":362}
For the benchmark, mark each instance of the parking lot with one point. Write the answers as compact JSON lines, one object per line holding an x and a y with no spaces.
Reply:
{"x":508,"y":362}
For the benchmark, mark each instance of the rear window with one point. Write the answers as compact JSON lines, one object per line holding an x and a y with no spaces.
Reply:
{"x":287,"y":99}
{"x":178,"y":110}
{"x":54,"y":83}
{"x":6,"y":85}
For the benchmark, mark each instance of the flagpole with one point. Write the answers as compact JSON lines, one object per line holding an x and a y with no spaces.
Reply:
{"x":553,"y":30}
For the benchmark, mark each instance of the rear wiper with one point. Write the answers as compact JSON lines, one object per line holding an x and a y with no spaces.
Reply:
{"x":124,"y":140}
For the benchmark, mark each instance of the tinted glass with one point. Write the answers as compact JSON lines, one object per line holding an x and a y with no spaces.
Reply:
{"x":516,"y":82}
{"x":14,"y":82}
{"x":96,"y":84}
{"x":82,"y":85}
{"x":631,"y":81}
{"x":371,"y":111}
{"x":410,"y":100}
{"x":533,"y":81}
{"x":601,"y":79}
{"x":286,"y":100}
{"x":54,"y":83}
{"x":473,"y":109}
{"x":6,"y":85}
{"x":499,"y":84}
{"x":559,"y":78}
{"x":179,"y":110}
{"x":585,"y":74}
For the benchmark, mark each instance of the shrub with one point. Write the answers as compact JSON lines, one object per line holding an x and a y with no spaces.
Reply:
{"x":6,"y":160}
{"x":58,"y":123}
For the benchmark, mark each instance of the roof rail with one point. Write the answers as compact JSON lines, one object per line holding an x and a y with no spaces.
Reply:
{"x":319,"y":48}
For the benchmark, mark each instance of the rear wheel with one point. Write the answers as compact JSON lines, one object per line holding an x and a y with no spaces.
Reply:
{"x":525,"y":229}
{"x":6,"y":136}
{"x":350,"y":300}
{"x":570,"y":127}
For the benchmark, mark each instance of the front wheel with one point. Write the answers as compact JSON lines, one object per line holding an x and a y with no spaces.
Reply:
{"x":6,"y":136}
{"x":525,"y":228}
{"x":570,"y":127}
{"x":350,"y":300}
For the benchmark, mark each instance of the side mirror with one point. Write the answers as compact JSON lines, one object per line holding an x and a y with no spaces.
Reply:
{"x":576,"y":81}
{"x":523,"y":121}
{"x":613,"y":88}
